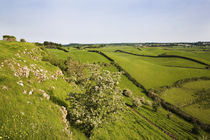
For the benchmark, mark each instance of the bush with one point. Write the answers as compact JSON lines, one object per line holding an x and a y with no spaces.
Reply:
{"x":148,"y":103}
{"x":136,"y":102}
{"x":196,"y":129}
{"x":169,"y":115}
{"x":76,"y":72}
{"x":142,"y":100}
{"x":56,"y":62}
{"x":156,"y":105}
{"x":127,"y":93}
{"x":22,"y":40}
{"x":99,"y":103}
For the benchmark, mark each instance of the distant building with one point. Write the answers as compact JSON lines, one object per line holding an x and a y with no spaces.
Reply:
{"x":9,"y":38}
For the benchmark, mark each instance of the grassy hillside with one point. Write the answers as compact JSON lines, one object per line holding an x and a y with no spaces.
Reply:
{"x":33,"y":95}
{"x":25,"y":84}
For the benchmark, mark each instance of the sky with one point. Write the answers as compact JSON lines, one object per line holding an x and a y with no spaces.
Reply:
{"x":106,"y":21}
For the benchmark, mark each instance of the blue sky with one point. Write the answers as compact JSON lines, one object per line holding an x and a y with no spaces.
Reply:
{"x":106,"y":21}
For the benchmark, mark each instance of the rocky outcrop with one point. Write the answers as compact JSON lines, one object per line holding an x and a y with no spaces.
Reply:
{"x":64,"y":114}
{"x":45,"y":95}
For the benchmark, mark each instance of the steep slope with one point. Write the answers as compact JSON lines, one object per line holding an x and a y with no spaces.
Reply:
{"x":29,"y":89}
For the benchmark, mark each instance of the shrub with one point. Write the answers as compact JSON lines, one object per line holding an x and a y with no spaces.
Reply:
{"x":196,"y":129}
{"x":169,"y":115}
{"x":56,"y":62}
{"x":148,"y":103}
{"x":142,"y":100}
{"x":76,"y":72}
{"x":99,"y":103}
{"x":22,"y":40}
{"x":156,"y":105}
{"x":127,"y":93}
{"x":136,"y":102}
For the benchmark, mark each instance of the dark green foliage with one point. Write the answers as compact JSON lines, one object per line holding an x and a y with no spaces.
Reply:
{"x":56,"y":62}
{"x":52,"y":45}
{"x":38,"y":44}
{"x":196,"y":129}
{"x":22,"y":40}
{"x":9,"y":36}
{"x":169,"y":115}
{"x":156,"y":104}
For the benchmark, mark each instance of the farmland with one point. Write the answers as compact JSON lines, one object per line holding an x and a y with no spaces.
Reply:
{"x":153,"y":73}
{"x":137,"y":66}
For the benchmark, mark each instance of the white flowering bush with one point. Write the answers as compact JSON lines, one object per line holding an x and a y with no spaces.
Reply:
{"x":136,"y":102}
{"x":99,"y":103}
{"x":142,"y":100}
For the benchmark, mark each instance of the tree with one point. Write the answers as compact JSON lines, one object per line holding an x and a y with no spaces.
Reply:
{"x":156,"y":104}
{"x":99,"y":103}
{"x":136,"y":102}
{"x":22,"y":40}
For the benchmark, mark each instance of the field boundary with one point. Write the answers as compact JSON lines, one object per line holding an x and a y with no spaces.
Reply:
{"x":154,"y":96}
{"x":167,"y":56}
{"x":179,"y":83}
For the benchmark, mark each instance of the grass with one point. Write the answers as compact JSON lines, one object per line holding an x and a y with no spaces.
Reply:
{"x":79,"y":55}
{"x":129,"y":126}
{"x":176,"y":126}
{"x":25,"y":116}
{"x":153,"y":75}
{"x":184,"y":98}
{"x":194,"y":52}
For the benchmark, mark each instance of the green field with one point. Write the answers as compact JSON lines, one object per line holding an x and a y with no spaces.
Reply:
{"x":27,"y":114}
{"x":187,"y":98}
{"x":176,"y":126}
{"x":153,"y":74}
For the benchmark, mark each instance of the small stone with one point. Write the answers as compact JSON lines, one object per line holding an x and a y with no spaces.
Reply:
{"x":28,"y":102}
{"x":25,"y":91}
{"x":31,"y":92}
{"x":22,"y":113}
{"x":4,"y":88}
{"x":46,"y":96}
{"x":20,"y":83}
